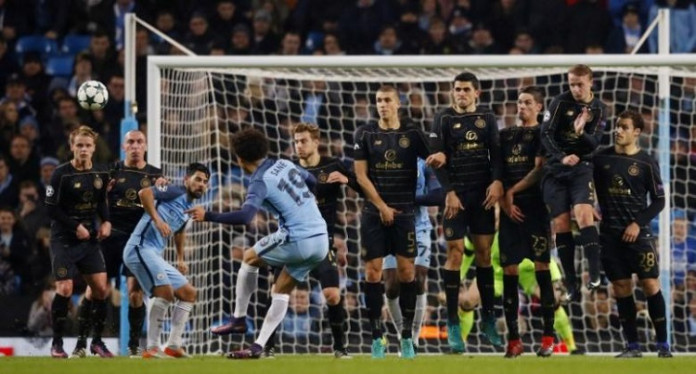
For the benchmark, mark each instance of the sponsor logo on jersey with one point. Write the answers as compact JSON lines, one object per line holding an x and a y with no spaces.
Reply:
{"x":480,"y":123}
{"x":404,"y":142}
{"x":633,"y":170}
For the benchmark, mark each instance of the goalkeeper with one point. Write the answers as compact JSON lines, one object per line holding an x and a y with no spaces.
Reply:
{"x":469,"y":297}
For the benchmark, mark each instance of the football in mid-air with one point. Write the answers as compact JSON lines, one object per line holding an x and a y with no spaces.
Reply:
{"x":92,"y":95}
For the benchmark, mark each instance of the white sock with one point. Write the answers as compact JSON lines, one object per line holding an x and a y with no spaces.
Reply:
{"x":247,"y":281}
{"x":180,"y":315}
{"x":421,"y":306}
{"x":396,"y":316}
{"x":158,"y":310}
{"x":275,"y":314}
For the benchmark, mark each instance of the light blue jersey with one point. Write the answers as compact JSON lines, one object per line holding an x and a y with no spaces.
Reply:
{"x":279,"y":187}
{"x":425,"y":182}
{"x":172,"y":202}
{"x":143,"y":252}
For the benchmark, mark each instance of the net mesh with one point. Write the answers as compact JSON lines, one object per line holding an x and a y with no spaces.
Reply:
{"x":201,"y":107}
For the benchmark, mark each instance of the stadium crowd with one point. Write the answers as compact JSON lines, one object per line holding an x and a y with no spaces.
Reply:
{"x":49,"y":47}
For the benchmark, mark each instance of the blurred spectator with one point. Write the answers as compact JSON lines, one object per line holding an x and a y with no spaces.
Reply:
{"x":8,"y":64}
{"x":460,"y":25}
{"x":47,"y":165}
{"x":102,"y":56}
{"x":586,"y":22}
{"x":299,"y":322}
{"x":241,"y":40}
{"x":409,"y":32}
{"x":525,"y":42}
{"x":65,"y":116}
{"x":508,"y":16}
{"x":331,"y":46}
{"x":225,"y":18}
{"x":683,"y":246}
{"x":9,"y":190}
{"x":39,"y":322}
{"x":166,"y":23}
{"x":682,"y":25}
{"x":82,"y":72}
{"x":36,"y":81}
{"x":51,"y":17}
{"x":32,"y":209}
{"x":266,"y":41}
{"x":482,"y":42}
{"x":14,"y":246}
{"x":16,"y":92}
{"x":29,"y":128}
{"x":13,"y":20}
{"x":594,"y":49}
{"x":623,"y":38}
{"x":388,"y":43}
{"x":290,"y":44}
{"x":199,"y":38}
{"x":9,"y":123}
{"x":40,"y":261}
{"x":428,"y":11}
{"x":114,"y":111}
{"x":438,"y":41}
{"x":361,"y":23}
{"x":24,"y":164}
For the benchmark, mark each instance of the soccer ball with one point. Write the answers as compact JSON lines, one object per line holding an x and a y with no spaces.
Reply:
{"x":92,"y":95}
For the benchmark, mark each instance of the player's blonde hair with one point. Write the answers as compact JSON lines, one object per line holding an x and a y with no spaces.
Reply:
{"x":83,"y":130}
{"x":313,"y":130}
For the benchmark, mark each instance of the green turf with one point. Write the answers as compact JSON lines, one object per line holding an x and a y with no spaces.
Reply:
{"x":359,"y":365}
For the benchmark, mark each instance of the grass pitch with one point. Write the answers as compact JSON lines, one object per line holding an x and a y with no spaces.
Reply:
{"x":306,"y":364}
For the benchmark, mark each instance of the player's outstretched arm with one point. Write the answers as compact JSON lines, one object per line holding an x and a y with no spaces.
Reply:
{"x":238,"y":217}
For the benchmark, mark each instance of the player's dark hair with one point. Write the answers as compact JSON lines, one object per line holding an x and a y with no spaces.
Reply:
{"x":635,"y":117}
{"x":250,"y":145}
{"x":581,"y":70}
{"x":536,"y":92}
{"x":468,"y":77}
{"x":194,"y":167}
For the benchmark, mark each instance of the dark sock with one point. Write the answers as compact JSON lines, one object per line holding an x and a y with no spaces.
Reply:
{"x":136,"y":319}
{"x":511,"y":302}
{"x":451,"y":281}
{"x":98,"y":318}
{"x":656,"y":308}
{"x":84,"y":315}
{"x":543,"y":278}
{"x":589,"y":240}
{"x":374,"y":300}
{"x":627,"y":317}
{"x":337,"y":319}
{"x":484,"y":281}
{"x":59,"y":316}
{"x":566,"y":251}
{"x":407,"y":302}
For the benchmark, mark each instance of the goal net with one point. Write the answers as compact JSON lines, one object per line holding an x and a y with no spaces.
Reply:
{"x":195,"y":105}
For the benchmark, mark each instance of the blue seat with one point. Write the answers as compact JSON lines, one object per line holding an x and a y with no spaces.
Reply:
{"x":36,"y":43}
{"x":75,"y":43}
{"x":60,"y":66}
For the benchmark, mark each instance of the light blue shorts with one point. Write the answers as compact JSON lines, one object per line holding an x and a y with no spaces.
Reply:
{"x":298,"y":257}
{"x":423,"y":242}
{"x":150,"y":269}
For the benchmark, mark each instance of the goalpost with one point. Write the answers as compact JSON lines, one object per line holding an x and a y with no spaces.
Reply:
{"x":196,"y":103}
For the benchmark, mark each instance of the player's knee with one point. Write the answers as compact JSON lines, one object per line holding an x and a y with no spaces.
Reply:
{"x":511,"y":270}
{"x":406,"y":274}
{"x":421,"y":280}
{"x":332,"y":296}
{"x":650,"y":286}
{"x":483,"y":258}
{"x":584,"y":216}
{"x":541,"y":266}
{"x":562,"y":223}
{"x":188,"y":294}
{"x":467,"y":304}
{"x":135,"y":298}
{"x":373,"y":271}
{"x":623,"y":287}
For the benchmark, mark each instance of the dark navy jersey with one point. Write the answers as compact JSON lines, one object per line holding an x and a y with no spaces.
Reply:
{"x":392,"y":162}
{"x":623,"y":184}
{"x":327,"y":194}
{"x":75,"y":197}
{"x":558,"y":131}
{"x":471,"y":143}
{"x":124,"y":203}
{"x":520,"y":146}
